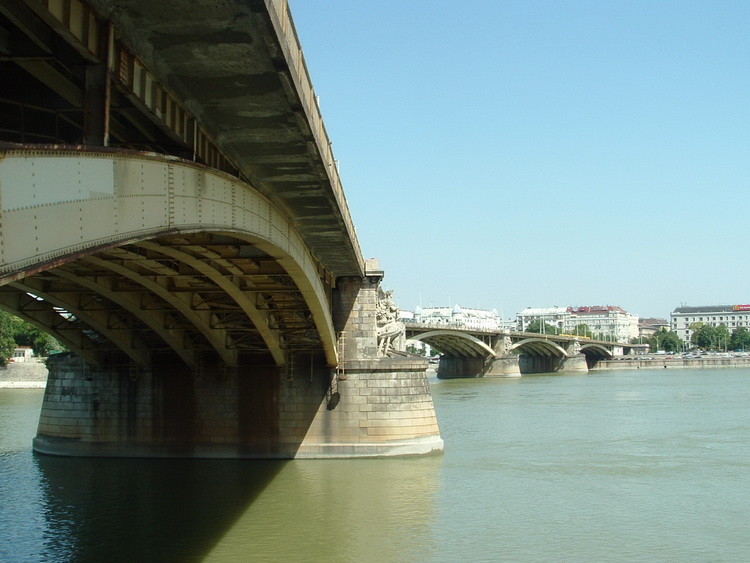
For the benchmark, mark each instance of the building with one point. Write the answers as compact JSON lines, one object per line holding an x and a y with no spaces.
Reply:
{"x":651,"y":325}
{"x":22,"y":354}
{"x":609,"y":321}
{"x":458,"y":316}
{"x":731,"y":316}
{"x":555,"y":316}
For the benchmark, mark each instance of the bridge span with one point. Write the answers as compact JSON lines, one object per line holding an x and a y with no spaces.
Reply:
{"x":170,"y":211}
{"x":470,"y":352}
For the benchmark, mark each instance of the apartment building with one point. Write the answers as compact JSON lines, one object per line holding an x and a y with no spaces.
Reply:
{"x":731,"y":316}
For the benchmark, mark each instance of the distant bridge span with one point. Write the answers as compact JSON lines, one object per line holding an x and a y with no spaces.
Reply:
{"x":468,"y":352}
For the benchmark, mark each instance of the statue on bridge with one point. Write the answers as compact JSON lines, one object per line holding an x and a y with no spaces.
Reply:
{"x":390,"y":328}
{"x":503,"y":346}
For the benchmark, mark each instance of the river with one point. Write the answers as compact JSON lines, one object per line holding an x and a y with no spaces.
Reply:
{"x":610,"y":466}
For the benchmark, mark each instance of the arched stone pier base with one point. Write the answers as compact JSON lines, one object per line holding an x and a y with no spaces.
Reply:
{"x":506,"y":366}
{"x":452,"y":367}
{"x":383,"y":408}
{"x":574,"y":364}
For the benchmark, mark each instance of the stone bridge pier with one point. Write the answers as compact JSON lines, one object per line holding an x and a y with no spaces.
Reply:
{"x":370,"y":405}
{"x":505,"y":363}
{"x":502,"y":364}
{"x":571,"y":361}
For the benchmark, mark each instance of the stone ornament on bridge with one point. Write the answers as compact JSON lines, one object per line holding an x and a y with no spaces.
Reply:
{"x":503,"y":346}
{"x":389,"y":327}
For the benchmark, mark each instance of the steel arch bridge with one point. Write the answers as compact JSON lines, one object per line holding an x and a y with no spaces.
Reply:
{"x":155,"y":255}
{"x":487,"y":344}
{"x":171,"y":210}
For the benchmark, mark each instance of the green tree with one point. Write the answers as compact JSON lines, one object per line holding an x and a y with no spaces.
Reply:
{"x":22,"y":333}
{"x":7,"y":343}
{"x":669,"y":341}
{"x":722,"y":337}
{"x":582,"y":330}
{"x":704,"y":336}
{"x":740,"y":339}
{"x":546,"y":328}
{"x":412,"y":349}
{"x":28,"y":335}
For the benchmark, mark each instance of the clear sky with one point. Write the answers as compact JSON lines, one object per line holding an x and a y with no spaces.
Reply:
{"x":528,"y":153}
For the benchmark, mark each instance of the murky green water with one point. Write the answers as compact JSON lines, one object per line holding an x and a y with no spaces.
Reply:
{"x":619,"y":466}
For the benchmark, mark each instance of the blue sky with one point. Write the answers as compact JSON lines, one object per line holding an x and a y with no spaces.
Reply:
{"x":512,"y":154}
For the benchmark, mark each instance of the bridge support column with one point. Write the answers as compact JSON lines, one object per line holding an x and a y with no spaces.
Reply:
{"x":255,"y":412}
{"x":371,"y":405}
{"x":504,"y":366}
{"x":385,"y":403}
{"x":451,"y":367}
{"x":574,"y":364}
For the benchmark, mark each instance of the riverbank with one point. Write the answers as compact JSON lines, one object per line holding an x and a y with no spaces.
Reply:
{"x":673,"y":363}
{"x":23,"y":375}
{"x":33,"y":375}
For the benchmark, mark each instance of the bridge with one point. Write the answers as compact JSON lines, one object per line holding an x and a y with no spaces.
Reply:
{"x":171,"y":211}
{"x":474,"y":352}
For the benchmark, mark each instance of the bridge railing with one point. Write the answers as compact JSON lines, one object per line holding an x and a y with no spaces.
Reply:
{"x":512,"y":333}
{"x":287,"y":34}
{"x":449,"y":326}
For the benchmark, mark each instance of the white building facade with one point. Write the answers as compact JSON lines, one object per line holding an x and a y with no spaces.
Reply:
{"x":609,"y":321}
{"x":22,"y":354}
{"x":731,"y":316}
{"x":458,"y":316}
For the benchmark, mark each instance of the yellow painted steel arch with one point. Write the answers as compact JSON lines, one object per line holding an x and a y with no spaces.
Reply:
{"x":538,"y":344}
{"x":468,"y":341}
{"x":601,"y":351}
{"x":57,"y":205}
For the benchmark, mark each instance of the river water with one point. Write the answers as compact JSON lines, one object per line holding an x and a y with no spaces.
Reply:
{"x":610,"y":466}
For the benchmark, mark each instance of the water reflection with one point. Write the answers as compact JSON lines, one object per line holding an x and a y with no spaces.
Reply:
{"x":340,"y":510}
{"x":182,"y":510}
{"x":135,"y":510}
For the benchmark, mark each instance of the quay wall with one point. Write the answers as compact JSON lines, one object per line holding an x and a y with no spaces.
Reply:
{"x":673,"y":363}
{"x":23,"y":375}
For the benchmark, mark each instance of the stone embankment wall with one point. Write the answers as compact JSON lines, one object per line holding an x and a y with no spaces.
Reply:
{"x":23,"y":375}
{"x":674,"y":363}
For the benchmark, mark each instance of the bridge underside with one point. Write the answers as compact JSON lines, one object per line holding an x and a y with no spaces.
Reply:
{"x":170,"y":209}
{"x":130,"y":257}
{"x":219,"y":83}
{"x":192,"y":298}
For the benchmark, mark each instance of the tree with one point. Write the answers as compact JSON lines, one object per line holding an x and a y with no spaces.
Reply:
{"x":722,"y":337}
{"x":17,"y":332}
{"x":669,"y":341}
{"x":740,"y":339}
{"x":582,"y":330}
{"x":7,"y":343}
{"x":26,"y":334}
{"x":546,"y":328}
{"x":704,"y":336}
{"x":412,"y":349}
